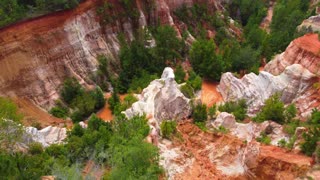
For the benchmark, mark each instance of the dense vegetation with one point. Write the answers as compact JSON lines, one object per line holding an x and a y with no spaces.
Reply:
{"x":82,"y":103}
{"x":141,"y":62}
{"x":118,"y":147}
{"x":14,"y":10}
{"x":287,"y":16}
{"x":275,"y":110}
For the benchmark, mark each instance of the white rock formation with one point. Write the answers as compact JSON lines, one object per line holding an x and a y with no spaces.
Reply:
{"x":255,"y":89}
{"x":83,"y":125}
{"x":312,"y":24}
{"x":46,"y":136}
{"x":250,"y":131}
{"x":162,"y":100}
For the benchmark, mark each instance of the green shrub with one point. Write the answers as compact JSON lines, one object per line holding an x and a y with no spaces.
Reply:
{"x":264,"y":138}
{"x":221,"y":129}
{"x":201,"y":125}
{"x":272,"y":110}
{"x":102,"y":75}
{"x":310,"y":140}
{"x":179,"y":74}
{"x":194,"y":81}
{"x":282,"y":143}
{"x":205,"y":60}
{"x":128,"y":101}
{"x":315,"y":117}
{"x":35,"y":148}
{"x":76,"y":116}
{"x":85,"y":103}
{"x":168,"y":129}
{"x":199,"y":113}
{"x":70,"y":90}
{"x":98,"y":96}
{"x":9,"y":110}
{"x":59,"y":112}
{"x":138,"y":83}
{"x":77,"y":130}
{"x":237,"y":108}
{"x":290,"y":112}
{"x":212,"y":111}
{"x":187,"y":91}
{"x":291,"y":142}
{"x":290,"y":127}
{"x":113,"y":101}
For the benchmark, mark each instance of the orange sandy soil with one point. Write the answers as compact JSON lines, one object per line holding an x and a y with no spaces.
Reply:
{"x":309,"y":42}
{"x":261,"y":68}
{"x":209,"y":94}
{"x":105,"y":113}
{"x":283,"y":155}
{"x":33,"y":114}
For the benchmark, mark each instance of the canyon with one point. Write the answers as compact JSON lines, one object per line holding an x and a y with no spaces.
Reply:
{"x":37,"y":55}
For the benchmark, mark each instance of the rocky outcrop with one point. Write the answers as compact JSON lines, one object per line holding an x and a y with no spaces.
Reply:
{"x":311,"y":24}
{"x":203,"y":155}
{"x":294,"y":85}
{"x":304,"y":51}
{"x":162,"y":100}
{"x":250,"y":131}
{"x":46,"y":136}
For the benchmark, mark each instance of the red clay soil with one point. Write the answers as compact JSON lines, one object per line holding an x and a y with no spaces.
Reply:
{"x":273,"y":162}
{"x":33,"y":114}
{"x":210,"y":95}
{"x":277,"y":163}
{"x":309,"y":42}
{"x":46,"y":22}
{"x":105,"y":113}
{"x":283,"y":155}
{"x":194,"y":143}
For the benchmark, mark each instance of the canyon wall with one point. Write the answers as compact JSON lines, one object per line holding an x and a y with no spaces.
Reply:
{"x":304,"y":51}
{"x":37,"y":55}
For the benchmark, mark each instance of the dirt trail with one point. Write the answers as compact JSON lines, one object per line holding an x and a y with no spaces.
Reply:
{"x":265,"y":24}
{"x":210,"y":95}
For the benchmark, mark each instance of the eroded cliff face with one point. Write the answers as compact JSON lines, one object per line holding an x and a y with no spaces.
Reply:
{"x":37,"y":55}
{"x":295,"y":84}
{"x":304,"y":51}
{"x":204,"y":155}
